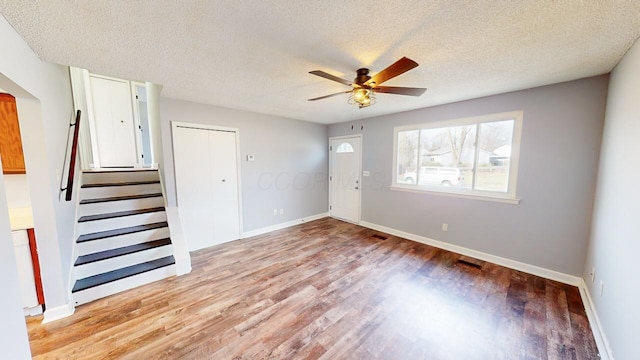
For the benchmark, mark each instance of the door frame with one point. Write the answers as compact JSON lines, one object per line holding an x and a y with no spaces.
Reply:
{"x":138,"y":125}
{"x":359,"y":173}
{"x":176,"y":124}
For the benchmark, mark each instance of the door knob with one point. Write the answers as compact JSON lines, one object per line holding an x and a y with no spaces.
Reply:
{"x":223,"y":180}
{"x":357,"y":188}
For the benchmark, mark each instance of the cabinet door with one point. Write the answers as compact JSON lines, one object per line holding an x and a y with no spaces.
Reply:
{"x":25,"y":269}
{"x":10,"y":141}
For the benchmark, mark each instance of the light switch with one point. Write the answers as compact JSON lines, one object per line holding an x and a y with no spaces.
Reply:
{"x":365,"y":173}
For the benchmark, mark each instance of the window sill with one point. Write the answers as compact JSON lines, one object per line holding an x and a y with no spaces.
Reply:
{"x":504,"y":200}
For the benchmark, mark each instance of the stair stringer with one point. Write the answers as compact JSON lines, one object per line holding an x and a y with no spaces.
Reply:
{"x":180,"y":248}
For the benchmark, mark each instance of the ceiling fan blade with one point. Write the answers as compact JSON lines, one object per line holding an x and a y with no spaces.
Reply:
{"x":328,"y":96}
{"x":399,"y":67}
{"x":331,"y":77}
{"x":400,"y":90}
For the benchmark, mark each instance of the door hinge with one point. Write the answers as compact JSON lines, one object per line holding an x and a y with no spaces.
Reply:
{"x":142,"y":156}
{"x":330,"y":178}
{"x":329,"y":207}
{"x":140,"y":127}
{"x":137,"y":97}
{"x":330,"y":148}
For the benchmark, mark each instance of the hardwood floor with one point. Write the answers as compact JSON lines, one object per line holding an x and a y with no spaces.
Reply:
{"x":328,"y":290}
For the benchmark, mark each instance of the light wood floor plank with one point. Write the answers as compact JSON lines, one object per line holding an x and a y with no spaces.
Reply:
{"x":328,"y":290}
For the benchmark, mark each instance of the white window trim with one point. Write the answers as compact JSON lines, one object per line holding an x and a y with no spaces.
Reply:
{"x":507,"y":197}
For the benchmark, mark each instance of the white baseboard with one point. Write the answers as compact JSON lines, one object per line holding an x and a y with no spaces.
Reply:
{"x":59,"y":312}
{"x":283,"y":225}
{"x":33,"y":311}
{"x":594,"y":321}
{"x":183,"y":265}
{"x":512,"y":264}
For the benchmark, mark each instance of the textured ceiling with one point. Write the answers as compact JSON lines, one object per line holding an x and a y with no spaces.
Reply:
{"x":256,"y":55}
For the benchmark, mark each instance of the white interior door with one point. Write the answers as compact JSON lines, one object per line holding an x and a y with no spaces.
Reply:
{"x":207,"y":185}
{"x":345,"y":182}
{"x":224,"y":177}
{"x":114,"y":123}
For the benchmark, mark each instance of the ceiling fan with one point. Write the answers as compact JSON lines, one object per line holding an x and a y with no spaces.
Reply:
{"x":365,"y":87}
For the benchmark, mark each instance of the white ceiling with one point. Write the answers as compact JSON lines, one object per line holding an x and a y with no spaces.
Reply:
{"x":256,"y":55}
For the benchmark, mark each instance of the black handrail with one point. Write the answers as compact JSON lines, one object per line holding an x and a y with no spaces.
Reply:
{"x":72,"y":161}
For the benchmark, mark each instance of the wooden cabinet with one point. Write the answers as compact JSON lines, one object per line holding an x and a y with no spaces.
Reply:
{"x":10,"y":141}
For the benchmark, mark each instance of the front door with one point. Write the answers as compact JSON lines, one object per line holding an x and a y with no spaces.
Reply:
{"x":344,"y":178}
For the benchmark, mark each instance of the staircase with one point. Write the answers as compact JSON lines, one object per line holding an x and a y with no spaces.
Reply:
{"x":124,"y":236}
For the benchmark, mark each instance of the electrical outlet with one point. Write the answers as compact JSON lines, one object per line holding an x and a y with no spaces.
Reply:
{"x":281,"y":211}
{"x":601,"y":287}
{"x":593,"y":275}
{"x":445,"y":227}
{"x":275,"y":211}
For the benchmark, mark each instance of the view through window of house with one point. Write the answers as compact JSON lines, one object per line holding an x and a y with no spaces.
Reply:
{"x":465,"y":156}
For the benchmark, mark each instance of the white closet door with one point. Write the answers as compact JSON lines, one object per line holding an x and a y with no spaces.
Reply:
{"x":207,"y":185}
{"x":226,"y":222}
{"x":195,"y":195}
{"x":113,"y":114}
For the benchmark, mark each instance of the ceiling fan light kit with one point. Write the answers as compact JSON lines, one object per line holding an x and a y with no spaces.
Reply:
{"x":365,"y":87}
{"x":362,"y":97}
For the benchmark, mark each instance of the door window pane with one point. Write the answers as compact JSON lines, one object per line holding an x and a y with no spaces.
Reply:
{"x":344,"y":148}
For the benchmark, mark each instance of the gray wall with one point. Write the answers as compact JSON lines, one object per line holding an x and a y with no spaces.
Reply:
{"x":560,"y":144}
{"x":43,"y":97}
{"x":290,"y":167}
{"x":615,"y":235}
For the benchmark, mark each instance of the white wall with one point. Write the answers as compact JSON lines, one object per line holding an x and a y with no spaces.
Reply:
{"x":615,"y":234}
{"x":290,"y":167}
{"x":17,"y":189}
{"x":43,"y":97}
{"x":561,"y":134}
{"x":13,"y":330}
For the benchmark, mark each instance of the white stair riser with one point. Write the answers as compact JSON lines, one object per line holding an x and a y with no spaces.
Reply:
{"x":111,"y":191}
{"x":88,"y":227}
{"x":119,"y":262}
{"x":94,"y":246}
{"x":120,"y":205}
{"x":94,"y":293}
{"x":111,"y":177}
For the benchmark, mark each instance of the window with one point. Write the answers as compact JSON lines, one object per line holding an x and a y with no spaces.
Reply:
{"x":344,"y":148}
{"x":476,"y":157}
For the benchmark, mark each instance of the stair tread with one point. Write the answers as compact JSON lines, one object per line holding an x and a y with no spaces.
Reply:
{"x":131,"y":170}
{"x":108,"y":254}
{"x":121,"y":231}
{"x":128,"y":183}
{"x":104,"y":278}
{"x":119,"y":198}
{"x":119,"y":214}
